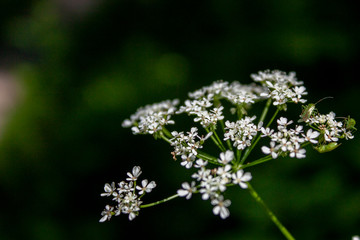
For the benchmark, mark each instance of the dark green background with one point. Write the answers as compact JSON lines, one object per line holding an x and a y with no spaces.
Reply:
{"x":83,"y":72}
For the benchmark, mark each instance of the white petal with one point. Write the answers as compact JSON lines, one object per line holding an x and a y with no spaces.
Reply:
{"x":247,"y":177}
{"x":243,"y":185}
{"x":216,"y":210}
{"x":104,"y":218}
{"x":224,"y":213}
{"x":265,"y":150}
{"x":182,"y":192}
{"x":229,"y":155}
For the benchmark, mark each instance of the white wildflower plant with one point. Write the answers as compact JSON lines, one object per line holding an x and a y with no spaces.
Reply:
{"x":222,"y":114}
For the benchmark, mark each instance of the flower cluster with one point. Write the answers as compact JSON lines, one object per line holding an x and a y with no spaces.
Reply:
{"x":151,"y":118}
{"x":282,"y":87}
{"x":212,"y":183}
{"x":330,"y":127}
{"x":241,"y":132}
{"x":125,"y":195}
{"x":187,"y":145}
{"x":287,"y":140}
{"x":234,"y":131}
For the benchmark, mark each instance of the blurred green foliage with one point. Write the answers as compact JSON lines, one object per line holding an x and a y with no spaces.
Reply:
{"x":84,"y":70}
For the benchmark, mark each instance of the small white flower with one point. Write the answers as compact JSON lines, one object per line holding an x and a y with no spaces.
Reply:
{"x":224,"y":172}
{"x":200,"y":163}
{"x":221,"y":207}
{"x":240,"y":178}
{"x":311,"y":135}
{"x":296,"y":151}
{"x":146,"y":186}
{"x":136,"y":171}
{"x":266,"y":132}
{"x":330,"y":136}
{"x":270,"y":150}
{"x":202,"y":174}
{"x":355,"y":237}
{"x":207,"y":191}
{"x":109,"y":189}
{"x":125,"y":187}
{"x":187,"y":160}
{"x":107,"y":213}
{"x":226,"y":157}
{"x":283,"y":123}
{"x":132,"y":210}
{"x":187,"y":190}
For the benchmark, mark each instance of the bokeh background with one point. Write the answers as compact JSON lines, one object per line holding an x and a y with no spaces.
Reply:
{"x":72,"y":70}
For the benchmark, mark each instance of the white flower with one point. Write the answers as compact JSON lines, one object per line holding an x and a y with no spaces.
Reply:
{"x":202,"y":174}
{"x":266,"y":132}
{"x":311,"y":135}
{"x":240,"y":178}
{"x":107,"y":213}
{"x":125,"y":187}
{"x":226,"y":157}
{"x":221,"y":207}
{"x":272,"y":150}
{"x":146,"y":186}
{"x":187,"y":190}
{"x":283,"y":123}
{"x":355,"y":237}
{"x":224,"y":172}
{"x":330,"y":136}
{"x":347,"y":134}
{"x":187,"y":160}
{"x":132,"y":210}
{"x":109,"y":189}
{"x":207,"y":192}
{"x":200,"y":163}
{"x":296,"y":151}
{"x":136,"y":171}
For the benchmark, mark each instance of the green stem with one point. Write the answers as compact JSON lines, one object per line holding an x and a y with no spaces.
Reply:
{"x":239,"y":111}
{"x":256,"y":162}
{"x":207,"y":157}
{"x":219,"y":144}
{"x":166,"y":132}
{"x":165,"y":138}
{"x":273,"y":117}
{"x":218,"y":139}
{"x":159,"y":202}
{"x":265,"y":111}
{"x":238,"y":155}
{"x":272,"y":216}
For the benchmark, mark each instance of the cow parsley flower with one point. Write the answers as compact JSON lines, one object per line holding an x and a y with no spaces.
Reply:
{"x":271,"y":150}
{"x":221,"y":206}
{"x":146,"y":186}
{"x":240,"y":178}
{"x":136,"y":171}
{"x":226,"y":157}
{"x":311,"y":135}
{"x":187,"y":190}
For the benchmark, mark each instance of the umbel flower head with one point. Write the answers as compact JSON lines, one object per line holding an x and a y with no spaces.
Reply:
{"x":223,"y":115}
{"x":126,"y":195}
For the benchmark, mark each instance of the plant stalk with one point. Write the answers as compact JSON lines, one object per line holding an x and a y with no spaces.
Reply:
{"x":271,"y":215}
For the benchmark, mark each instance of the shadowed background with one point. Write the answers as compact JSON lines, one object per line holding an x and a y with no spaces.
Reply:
{"x":72,"y":71}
